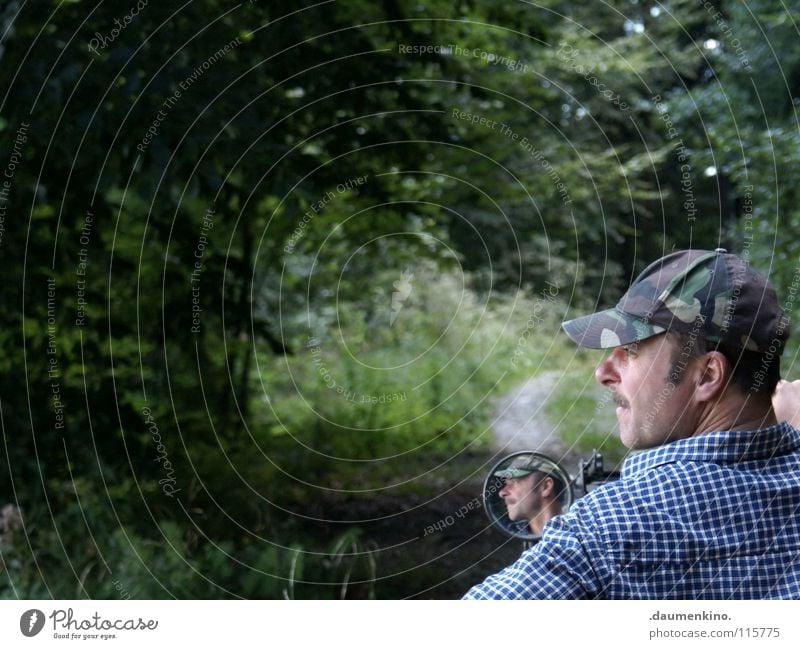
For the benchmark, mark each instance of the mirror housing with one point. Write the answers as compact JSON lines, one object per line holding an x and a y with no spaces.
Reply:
{"x":591,"y":474}
{"x":518,"y":466}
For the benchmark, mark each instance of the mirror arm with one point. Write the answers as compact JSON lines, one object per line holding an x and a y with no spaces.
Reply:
{"x":592,"y":472}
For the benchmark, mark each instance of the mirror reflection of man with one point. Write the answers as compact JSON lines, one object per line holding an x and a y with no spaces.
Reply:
{"x":531,"y":494}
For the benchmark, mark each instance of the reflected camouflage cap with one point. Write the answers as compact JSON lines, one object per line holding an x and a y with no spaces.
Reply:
{"x":521,"y":467}
{"x":711,"y":294}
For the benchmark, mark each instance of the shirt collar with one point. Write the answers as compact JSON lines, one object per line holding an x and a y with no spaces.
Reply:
{"x":720,"y":446}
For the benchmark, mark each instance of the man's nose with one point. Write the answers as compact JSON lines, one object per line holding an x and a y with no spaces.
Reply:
{"x":504,"y":491}
{"x":607,"y":373}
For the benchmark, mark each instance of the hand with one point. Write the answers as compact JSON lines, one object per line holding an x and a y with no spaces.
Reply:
{"x":786,"y":402}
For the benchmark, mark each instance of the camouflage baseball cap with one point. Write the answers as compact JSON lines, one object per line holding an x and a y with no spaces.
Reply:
{"x":711,"y":294}
{"x":522,"y":466}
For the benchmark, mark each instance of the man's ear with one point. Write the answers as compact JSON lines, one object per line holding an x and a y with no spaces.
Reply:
{"x":548,"y":486}
{"x":714,"y":373}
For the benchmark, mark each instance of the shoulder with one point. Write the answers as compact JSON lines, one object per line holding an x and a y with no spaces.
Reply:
{"x":626,"y":510}
{"x":563,"y":565}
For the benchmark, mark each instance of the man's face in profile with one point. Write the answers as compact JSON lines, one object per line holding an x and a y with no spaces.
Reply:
{"x":522,"y":496}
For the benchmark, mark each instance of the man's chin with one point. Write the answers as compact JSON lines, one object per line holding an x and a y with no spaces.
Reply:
{"x":629,"y":440}
{"x":637,"y":442}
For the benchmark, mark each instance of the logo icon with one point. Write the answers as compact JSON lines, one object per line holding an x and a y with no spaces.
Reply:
{"x":31,"y":622}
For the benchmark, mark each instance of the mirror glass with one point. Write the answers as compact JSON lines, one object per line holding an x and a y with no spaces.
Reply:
{"x":525,"y":490}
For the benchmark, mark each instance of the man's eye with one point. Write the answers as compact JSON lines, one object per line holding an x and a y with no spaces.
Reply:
{"x":630,"y":352}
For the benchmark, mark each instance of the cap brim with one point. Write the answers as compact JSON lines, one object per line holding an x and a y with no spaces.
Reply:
{"x":609,"y":328}
{"x":513,"y":473}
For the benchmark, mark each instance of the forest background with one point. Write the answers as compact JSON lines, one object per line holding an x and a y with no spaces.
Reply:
{"x":268,"y":268}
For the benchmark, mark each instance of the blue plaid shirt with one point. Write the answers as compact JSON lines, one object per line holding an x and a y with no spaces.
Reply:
{"x":715,"y":516}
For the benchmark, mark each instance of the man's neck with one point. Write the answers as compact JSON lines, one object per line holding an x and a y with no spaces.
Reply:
{"x":537,"y":523}
{"x":738,"y":412}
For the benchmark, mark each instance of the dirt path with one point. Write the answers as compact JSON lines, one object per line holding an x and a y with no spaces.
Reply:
{"x":520,"y":422}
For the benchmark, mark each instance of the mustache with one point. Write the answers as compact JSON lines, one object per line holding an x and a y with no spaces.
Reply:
{"x":620,"y":400}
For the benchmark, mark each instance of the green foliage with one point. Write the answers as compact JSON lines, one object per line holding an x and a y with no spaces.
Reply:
{"x":410,"y":381}
{"x":125,"y":565}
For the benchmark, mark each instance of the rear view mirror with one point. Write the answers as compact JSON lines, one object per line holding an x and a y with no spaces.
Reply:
{"x":525,"y":490}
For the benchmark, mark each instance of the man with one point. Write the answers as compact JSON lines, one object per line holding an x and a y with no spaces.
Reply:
{"x":711,"y":507}
{"x":531,"y":493}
